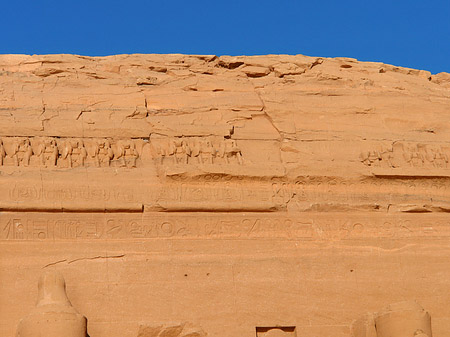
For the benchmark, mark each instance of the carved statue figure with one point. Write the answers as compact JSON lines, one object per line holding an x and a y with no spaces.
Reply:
{"x":187,"y":151}
{"x":130,"y":153}
{"x":119,"y":152}
{"x":374,"y":156}
{"x":167,"y":150}
{"x":417,"y":155}
{"x":233,"y":151}
{"x":221,"y":151}
{"x":79,"y":153}
{"x":182,"y":151}
{"x":194,"y":147}
{"x":53,"y":315}
{"x":387,"y":157}
{"x":66,"y":150}
{"x":105,"y":153}
{"x":437,"y":157}
{"x":25,"y":151}
{"x":11,"y":148}
{"x":52,"y":149}
{"x":38,"y":146}
{"x":92,"y":149}
{"x":364,"y":157}
{"x":125,"y":150}
{"x":206,"y":151}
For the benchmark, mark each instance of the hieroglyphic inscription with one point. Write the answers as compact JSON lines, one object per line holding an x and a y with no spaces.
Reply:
{"x":256,"y":195}
{"x":210,"y":191}
{"x":303,"y":190}
{"x":52,"y":226}
{"x":28,"y":192}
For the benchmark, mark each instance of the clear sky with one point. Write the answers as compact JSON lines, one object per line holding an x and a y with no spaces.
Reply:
{"x":410,"y":33}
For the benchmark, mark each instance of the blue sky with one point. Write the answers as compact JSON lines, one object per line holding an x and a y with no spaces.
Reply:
{"x":410,"y":33}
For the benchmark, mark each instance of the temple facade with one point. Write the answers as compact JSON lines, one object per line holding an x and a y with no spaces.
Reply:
{"x":195,"y":195}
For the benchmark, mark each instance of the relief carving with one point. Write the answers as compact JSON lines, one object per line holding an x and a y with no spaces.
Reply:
{"x":403,"y":154}
{"x":69,"y":152}
{"x":17,"y":150}
{"x":196,"y":151}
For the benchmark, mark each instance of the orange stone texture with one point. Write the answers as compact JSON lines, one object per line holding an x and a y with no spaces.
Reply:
{"x":195,"y":195}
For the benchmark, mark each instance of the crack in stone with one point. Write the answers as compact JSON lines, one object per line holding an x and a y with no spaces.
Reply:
{"x":84,"y":258}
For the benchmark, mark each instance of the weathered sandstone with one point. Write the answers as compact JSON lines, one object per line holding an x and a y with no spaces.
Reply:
{"x":53,"y":315}
{"x":193,"y":195}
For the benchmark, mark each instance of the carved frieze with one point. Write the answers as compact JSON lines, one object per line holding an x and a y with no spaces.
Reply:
{"x":55,"y":152}
{"x":408,"y":155}
{"x":196,"y":151}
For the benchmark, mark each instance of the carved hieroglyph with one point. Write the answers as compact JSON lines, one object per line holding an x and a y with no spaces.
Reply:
{"x":53,"y":315}
{"x":273,"y":195}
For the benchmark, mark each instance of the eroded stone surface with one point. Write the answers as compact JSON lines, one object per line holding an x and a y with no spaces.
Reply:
{"x":235,"y":192}
{"x":171,"y":330}
{"x":53,"y":315}
{"x":403,"y":319}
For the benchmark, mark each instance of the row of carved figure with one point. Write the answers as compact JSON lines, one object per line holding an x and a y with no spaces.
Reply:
{"x":196,"y":150}
{"x":104,"y":152}
{"x":402,"y":154}
{"x":54,"y":316}
{"x":67,"y":152}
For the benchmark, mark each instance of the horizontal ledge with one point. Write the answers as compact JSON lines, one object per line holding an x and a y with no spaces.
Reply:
{"x":89,"y":209}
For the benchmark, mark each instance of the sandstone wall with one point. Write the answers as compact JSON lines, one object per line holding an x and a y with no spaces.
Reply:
{"x":232,"y":193}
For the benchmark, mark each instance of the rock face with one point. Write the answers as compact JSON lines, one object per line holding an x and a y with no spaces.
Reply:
{"x":266,"y":195}
{"x":53,"y":316}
